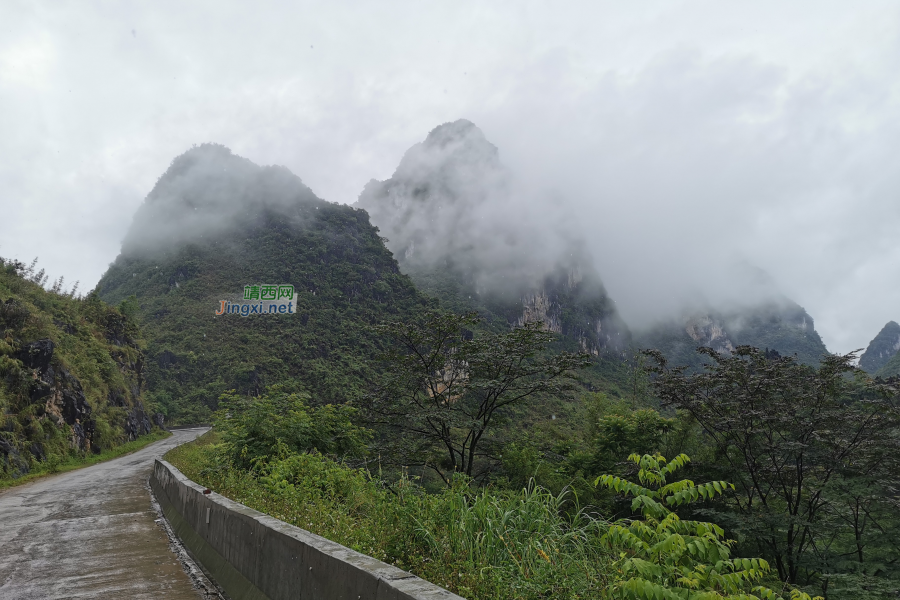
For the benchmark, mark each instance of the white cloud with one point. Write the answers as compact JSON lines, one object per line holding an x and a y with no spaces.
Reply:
{"x":678,"y":130}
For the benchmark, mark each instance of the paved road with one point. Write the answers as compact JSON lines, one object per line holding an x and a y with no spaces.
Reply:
{"x":91,"y":533}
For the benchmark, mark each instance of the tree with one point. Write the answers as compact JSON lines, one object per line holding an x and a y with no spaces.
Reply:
{"x":667,"y":557}
{"x":445,"y":387}
{"x":813,"y":454}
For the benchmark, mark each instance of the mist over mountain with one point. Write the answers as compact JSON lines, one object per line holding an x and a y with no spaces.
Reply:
{"x":206,"y":192}
{"x":216,"y":222}
{"x":748,"y":309}
{"x":782,"y":326}
{"x":465,"y":230}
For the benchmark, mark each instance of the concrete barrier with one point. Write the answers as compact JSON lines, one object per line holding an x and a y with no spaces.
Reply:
{"x":254,"y":556}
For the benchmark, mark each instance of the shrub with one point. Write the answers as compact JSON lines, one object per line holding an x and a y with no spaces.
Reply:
{"x":665,"y":557}
{"x":277,"y":424}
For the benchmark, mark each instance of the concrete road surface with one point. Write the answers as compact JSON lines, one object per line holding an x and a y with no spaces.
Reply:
{"x":91,"y":533}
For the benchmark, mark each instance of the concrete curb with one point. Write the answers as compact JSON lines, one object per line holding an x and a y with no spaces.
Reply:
{"x":254,"y":556}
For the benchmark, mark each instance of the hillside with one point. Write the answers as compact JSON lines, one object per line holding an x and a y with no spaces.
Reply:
{"x":71,"y":374}
{"x":465,"y":233}
{"x":780,"y":325}
{"x":215,"y":223}
{"x":890,"y":369}
{"x":881,"y":349}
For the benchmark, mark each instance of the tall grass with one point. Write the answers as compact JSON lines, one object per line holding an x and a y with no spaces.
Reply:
{"x":521,"y":544}
{"x":484,"y":544}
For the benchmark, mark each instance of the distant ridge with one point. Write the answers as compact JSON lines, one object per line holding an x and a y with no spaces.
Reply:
{"x":881,"y":349}
{"x":780,"y":325}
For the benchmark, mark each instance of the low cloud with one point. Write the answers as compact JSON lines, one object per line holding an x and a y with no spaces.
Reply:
{"x":681,"y":138}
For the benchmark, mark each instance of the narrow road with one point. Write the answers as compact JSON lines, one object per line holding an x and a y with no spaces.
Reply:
{"x":91,"y":533}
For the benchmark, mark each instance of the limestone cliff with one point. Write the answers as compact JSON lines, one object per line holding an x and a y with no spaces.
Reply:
{"x":458,"y":224}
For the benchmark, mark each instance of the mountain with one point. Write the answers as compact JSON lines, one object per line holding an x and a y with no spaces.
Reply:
{"x":466,"y":233}
{"x":890,"y":369}
{"x":214,"y":227}
{"x":781,"y":325}
{"x":71,"y":373}
{"x":881,"y":349}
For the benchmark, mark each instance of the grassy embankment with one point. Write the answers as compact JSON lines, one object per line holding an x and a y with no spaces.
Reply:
{"x":77,"y":462}
{"x":485,"y":543}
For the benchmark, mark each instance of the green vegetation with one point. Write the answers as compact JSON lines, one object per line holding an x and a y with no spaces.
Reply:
{"x":446,"y":388}
{"x":815,"y":458}
{"x":495,"y":543}
{"x":801,"y":462}
{"x":882,"y":349}
{"x":70,"y":374}
{"x":276,"y":232}
{"x":72,"y":463}
{"x":252,"y":429}
{"x":672,"y":558}
{"x":480,"y":544}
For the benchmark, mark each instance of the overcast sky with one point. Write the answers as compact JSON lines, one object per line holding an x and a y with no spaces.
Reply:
{"x":683,"y":135}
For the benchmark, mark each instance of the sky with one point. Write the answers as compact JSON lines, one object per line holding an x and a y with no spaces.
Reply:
{"x":680,"y":138}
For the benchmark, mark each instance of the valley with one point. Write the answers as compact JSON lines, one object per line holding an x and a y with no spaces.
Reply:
{"x":442,"y":341}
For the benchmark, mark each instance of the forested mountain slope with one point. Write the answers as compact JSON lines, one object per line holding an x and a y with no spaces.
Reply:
{"x":881,"y":349}
{"x":70,"y":373}
{"x":215,"y":223}
{"x":890,"y":369}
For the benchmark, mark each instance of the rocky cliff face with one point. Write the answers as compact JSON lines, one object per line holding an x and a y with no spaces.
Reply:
{"x":70,"y":375}
{"x":706,"y":331}
{"x":881,"y":349}
{"x":464,"y":232}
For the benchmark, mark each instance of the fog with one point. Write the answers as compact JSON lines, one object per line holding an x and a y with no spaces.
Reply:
{"x":208,"y":192}
{"x":685,"y":142}
{"x":452,"y":202}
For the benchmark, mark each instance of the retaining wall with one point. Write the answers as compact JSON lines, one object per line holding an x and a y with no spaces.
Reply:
{"x":256,"y":557}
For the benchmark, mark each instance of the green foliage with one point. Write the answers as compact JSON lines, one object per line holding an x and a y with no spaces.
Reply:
{"x":318,"y":477}
{"x":277,"y":232}
{"x":446,"y":387}
{"x":815,"y":458}
{"x":278,"y":423}
{"x":623,"y":434}
{"x":488,"y":544}
{"x":95,"y":360}
{"x":521,"y":542}
{"x":664,"y":556}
